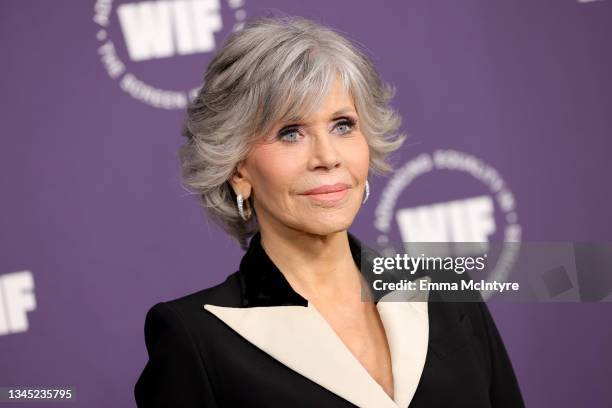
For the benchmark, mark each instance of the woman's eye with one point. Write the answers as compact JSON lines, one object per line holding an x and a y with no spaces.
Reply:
{"x":346,"y":126}
{"x":289,"y":135}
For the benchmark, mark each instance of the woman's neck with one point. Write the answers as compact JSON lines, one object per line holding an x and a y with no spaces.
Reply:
{"x":316,"y":266}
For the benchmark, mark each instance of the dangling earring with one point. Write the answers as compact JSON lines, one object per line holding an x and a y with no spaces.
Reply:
{"x":240,"y":202}
{"x":366,"y":193}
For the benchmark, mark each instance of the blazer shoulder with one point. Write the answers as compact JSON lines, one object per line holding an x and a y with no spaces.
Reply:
{"x":176,"y":372}
{"x":188,"y":312}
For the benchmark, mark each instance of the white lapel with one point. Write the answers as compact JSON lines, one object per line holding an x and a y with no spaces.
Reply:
{"x":406,"y":321}
{"x":300,"y":338}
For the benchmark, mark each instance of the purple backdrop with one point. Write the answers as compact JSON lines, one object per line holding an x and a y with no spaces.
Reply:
{"x":95,"y":227}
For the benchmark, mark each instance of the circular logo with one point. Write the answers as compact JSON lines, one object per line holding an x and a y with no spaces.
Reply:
{"x":450,"y":196}
{"x":153,"y":49}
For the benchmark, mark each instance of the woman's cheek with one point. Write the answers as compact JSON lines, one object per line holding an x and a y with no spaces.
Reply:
{"x":279,"y":169}
{"x":359,"y":155}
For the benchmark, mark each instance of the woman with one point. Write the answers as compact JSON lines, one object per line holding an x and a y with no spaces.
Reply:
{"x":280,"y":142}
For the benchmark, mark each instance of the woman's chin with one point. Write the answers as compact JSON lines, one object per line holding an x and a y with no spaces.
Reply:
{"x":328,"y":225}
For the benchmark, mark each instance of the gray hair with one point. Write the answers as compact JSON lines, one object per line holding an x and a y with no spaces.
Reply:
{"x":275,"y":69}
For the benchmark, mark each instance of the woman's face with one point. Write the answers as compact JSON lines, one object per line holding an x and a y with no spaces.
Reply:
{"x":325,"y":149}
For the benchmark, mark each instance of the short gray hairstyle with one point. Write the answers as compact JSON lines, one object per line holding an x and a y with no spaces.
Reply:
{"x":275,"y":69}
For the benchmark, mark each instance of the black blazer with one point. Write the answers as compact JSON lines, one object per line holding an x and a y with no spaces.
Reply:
{"x":252,"y":341}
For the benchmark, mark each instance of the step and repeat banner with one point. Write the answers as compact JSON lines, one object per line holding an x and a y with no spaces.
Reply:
{"x":508,"y":110}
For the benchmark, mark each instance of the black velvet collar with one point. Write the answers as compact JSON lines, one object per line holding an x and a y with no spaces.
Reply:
{"x":263,"y":284}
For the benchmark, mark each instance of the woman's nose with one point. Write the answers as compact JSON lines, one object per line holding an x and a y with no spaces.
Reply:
{"x":324,"y":152}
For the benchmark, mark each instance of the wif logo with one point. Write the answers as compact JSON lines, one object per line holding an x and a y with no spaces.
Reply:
{"x":485,"y":214}
{"x":16,"y":299}
{"x":467,"y":220}
{"x":154,"y":40}
{"x":161,"y":29}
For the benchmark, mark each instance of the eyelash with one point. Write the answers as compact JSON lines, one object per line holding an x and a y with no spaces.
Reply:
{"x":343,"y":122}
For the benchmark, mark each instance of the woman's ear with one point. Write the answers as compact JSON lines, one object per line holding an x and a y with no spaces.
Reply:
{"x":240,"y":181}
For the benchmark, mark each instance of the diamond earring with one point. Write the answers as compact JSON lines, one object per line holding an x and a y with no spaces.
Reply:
{"x":240,"y":202}
{"x":366,"y":193}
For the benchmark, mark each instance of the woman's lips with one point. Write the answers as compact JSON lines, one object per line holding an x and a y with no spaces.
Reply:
{"x":331,"y":197}
{"x":328,"y":188}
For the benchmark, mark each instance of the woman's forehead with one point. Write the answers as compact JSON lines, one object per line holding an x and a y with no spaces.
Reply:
{"x":336,"y":101}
